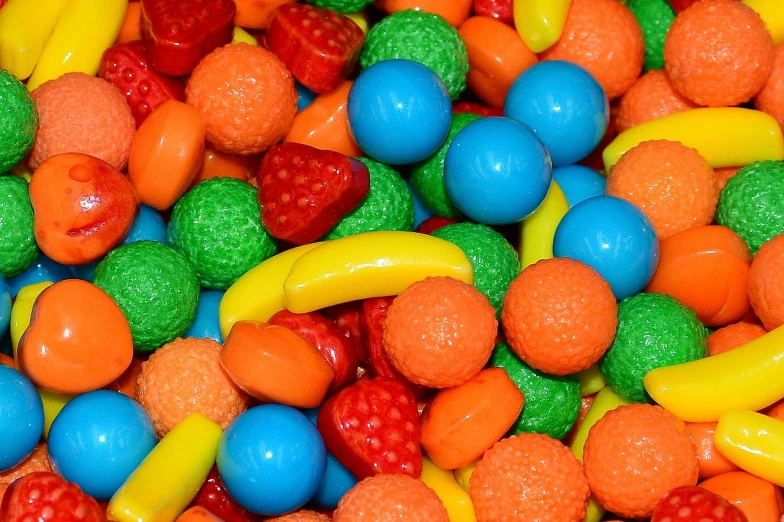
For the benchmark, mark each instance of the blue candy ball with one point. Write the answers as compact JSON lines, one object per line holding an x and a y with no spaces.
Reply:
{"x":21,"y":417}
{"x":5,"y":307}
{"x":496,"y":171}
{"x":206,"y":325}
{"x":399,"y":111}
{"x":564,"y":105}
{"x":579,"y":183}
{"x":421,"y":212}
{"x":98,"y":439}
{"x":613,"y":237}
{"x":43,"y":269}
{"x":271,"y":459}
{"x":148,"y":226}
{"x":304,"y":96}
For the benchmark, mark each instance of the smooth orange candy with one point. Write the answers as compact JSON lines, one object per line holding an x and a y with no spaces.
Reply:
{"x":711,"y":462}
{"x":130,"y":29}
{"x":256,"y":14}
{"x":453,"y":11}
{"x":759,"y":500}
{"x":217,"y":164}
{"x":198,"y":514}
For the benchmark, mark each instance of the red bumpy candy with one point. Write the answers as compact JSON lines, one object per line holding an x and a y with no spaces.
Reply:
{"x":501,"y":10}
{"x":680,"y":5}
{"x":476,"y":108}
{"x":695,"y":504}
{"x":44,"y":495}
{"x":432,"y":224}
{"x":346,"y":317}
{"x":214,"y":497}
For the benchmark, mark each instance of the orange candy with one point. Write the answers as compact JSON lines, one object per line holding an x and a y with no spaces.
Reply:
{"x":707,"y":269}
{"x":766,"y":283}
{"x":733,"y":336}
{"x":38,"y":460}
{"x":83,"y":207}
{"x":301,"y":516}
{"x":461,"y":423}
{"x":712,"y":462}
{"x":724,"y":174}
{"x":272,"y":363}
{"x":759,"y":500}
{"x":453,"y":11}
{"x":7,"y":360}
{"x":770,"y":99}
{"x":130,"y":29}
{"x":166,"y":153}
{"x":217,"y":164}
{"x":198,"y":514}
{"x":256,"y":14}
{"x":126,"y":383}
{"x":390,"y":498}
{"x":652,"y":96}
{"x":78,"y":339}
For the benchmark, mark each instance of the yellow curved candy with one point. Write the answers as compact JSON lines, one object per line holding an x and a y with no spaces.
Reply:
{"x":258,"y":294}
{"x":169,"y":477}
{"x":242,"y":36}
{"x":753,"y":442}
{"x":373,"y":264}
{"x":463,"y":476}
{"x":53,"y":404}
{"x":591,"y":380}
{"x":725,"y":137}
{"x":746,"y":378}
{"x":361,"y":19}
{"x":85,"y":30}
{"x":540,"y":22}
{"x":25,"y":28}
{"x":538,"y":229}
{"x":456,"y":501}
{"x":606,"y":400}
{"x":772,"y":13}
{"x":22,"y":309}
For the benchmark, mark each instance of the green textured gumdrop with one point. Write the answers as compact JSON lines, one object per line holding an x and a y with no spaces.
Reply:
{"x":341,"y":6}
{"x":17,"y":243}
{"x":655,"y":18}
{"x":18,"y":121}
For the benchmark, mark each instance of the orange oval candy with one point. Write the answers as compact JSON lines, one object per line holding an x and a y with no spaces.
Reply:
{"x":130,"y":29}
{"x":759,"y":500}
{"x":166,"y":153}
{"x":217,"y":164}
{"x":78,"y":339}
{"x":198,"y":514}
{"x":707,"y":269}
{"x":83,"y":207}
{"x":461,"y":423}
{"x":256,"y":14}
{"x":453,"y":11}
{"x":712,"y":462}
{"x":273,"y":364}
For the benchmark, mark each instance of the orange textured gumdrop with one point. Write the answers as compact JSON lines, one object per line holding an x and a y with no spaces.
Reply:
{"x":390,"y":498}
{"x":652,"y":96}
{"x":766,"y":283}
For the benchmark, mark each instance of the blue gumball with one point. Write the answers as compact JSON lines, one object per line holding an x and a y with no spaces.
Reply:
{"x":148,"y":226}
{"x":496,"y":171}
{"x":399,"y":112}
{"x":304,"y":96}
{"x":564,"y":105}
{"x":98,"y":439}
{"x":271,"y":459}
{"x":206,"y":324}
{"x":21,"y":417}
{"x":5,"y":307}
{"x":43,"y":269}
{"x":613,"y":237}
{"x":579,"y":183}
{"x":421,"y":212}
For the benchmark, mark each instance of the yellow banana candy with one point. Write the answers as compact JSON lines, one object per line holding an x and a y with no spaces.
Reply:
{"x":606,"y":400}
{"x":361,"y":19}
{"x":746,"y":378}
{"x":753,"y":442}
{"x":725,"y":137}
{"x":25,"y":28}
{"x":772,"y":13}
{"x":463,"y":475}
{"x":540,"y":22}
{"x":591,"y":380}
{"x":53,"y":404}
{"x":258,"y":294}
{"x":373,"y":264}
{"x":22,"y":309}
{"x":242,"y":36}
{"x":538,"y":230}
{"x":84,"y":31}
{"x":456,"y":501}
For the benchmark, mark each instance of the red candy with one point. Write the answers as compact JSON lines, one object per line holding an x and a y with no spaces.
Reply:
{"x":501,"y":10}
{"x":680,"y":5}
{"x":44,"y":495}
{"x":476,"y":108}
{"x":432,"y":224}
{"x":214,"y":498}
{"x":695,"y":504}
{"x":347,"y":319}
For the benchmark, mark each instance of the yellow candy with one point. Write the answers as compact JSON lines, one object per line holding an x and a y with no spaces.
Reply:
{"x":169,"y":477}
{"x":242,"y":36}
{"x":746,"y":378}
{"x":25,"y":27}
{"x":373,"y":264}
{"x":772,"y":13}
{"x":361,"y":19}
{"x":456,"y":501}
{"x":538,"y":230}
{"x":606,"y":400}
{"x":725,"y":137}
{"x":591,"y":380}
{"x":463,"y":476}
{"x":753,"y":442}
{"x":53,"y":404}
{"x":84,"y":31}
{"x":22,"y":309}
{"x":540,"y":22}
{"x":594,"y":512}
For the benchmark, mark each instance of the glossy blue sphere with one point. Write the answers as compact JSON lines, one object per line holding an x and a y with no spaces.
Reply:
{"x":304,"y":96}
{"x":21,"y":417}
{"x":564,"y":105}
{"x":421,"y":212}
{"x":399,"y":111}
{"x":42,"y":269}
{"x":613,"y":237}
{"x":496,"y":171}
{"x":579,"y":183}
{"x":5,"y":307}
{"x":206,"y":325}
{"x":148,"y":226}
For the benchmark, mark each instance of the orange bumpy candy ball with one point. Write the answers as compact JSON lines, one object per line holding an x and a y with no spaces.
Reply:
{"x":529,"y":477}
{"x":38,"y":460}
{"x":724,"y":174}
{"x":733,"y":336}
{"x":390,"y":498}
{"x":651,"y":97}
{"x":770,"y":99}
{"x":672,"y":184}
{"x":634,"y":455}
{"x":301,"y":516}
{"x":440,"y":332}
{"x":718,"y":53}
{"x":766,"y":283}
{"x":559,"y":316}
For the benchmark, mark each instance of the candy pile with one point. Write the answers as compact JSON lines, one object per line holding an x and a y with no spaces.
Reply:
{"x":402,"y":260}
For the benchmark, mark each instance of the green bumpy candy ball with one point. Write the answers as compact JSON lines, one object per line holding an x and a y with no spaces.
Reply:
{"x":341,"y":6}
{"x":18,"y":121}
{"x":388,"y":205}
{"x":654,"y":331}
{"x":18,"y":248}
{"x":217,"y":227}
{"x":421,"y":37}
{"x":427,"y":177}
{"x":493,"y":259}
{"x":752,"y":203}
{"x":655,"y":18}
{"x":552,"y":403}
{"x":154,"y":286}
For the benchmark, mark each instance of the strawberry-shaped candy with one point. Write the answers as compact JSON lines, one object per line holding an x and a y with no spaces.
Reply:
{"x":680,"y":5}
{"x":214,"y":498}
{"x":346,"y":317}
{"x":304,"y":191}
{"x":127,"y":67}
{"x":372,"y":427}
{"x":501,"y":10}
{"x":179,"y":33}
{"x":695,"y":504}
{"x":45,"y":496}
{"x":434,"y":223}
{"x":319,"y":47}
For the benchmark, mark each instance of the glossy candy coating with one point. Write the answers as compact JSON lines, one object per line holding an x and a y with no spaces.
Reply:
{"x":206,"y":325}
{"x":579,"y":183}
{"x":22,"y":417}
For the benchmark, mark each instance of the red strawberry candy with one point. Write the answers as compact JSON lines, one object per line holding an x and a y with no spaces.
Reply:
{"x":346,"y":317}
{"x":320,"y":47}
{"x":695,"y":504}
{"x":179,"y":33}
{"x":476,"y":108}
{"x":214,"y":498}
{"x":372,"y":427}
{"x":432,"y":224}
{"x":44,"y":496}
{"x":304,"y":191}
{"x":680,"y":5}
{"x":501,"y":10}
{"x":127,"y":67}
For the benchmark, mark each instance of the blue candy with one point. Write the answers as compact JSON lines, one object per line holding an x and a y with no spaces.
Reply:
{"x":304,"y":96}
{"x":206,"y":324}
{"x":148,"y":226}
{"x":421,"y":212}
{"x":5,"y":307}
{"x":579,"y":183}
{"x":21,"y":417}
{"x":43,"y":269}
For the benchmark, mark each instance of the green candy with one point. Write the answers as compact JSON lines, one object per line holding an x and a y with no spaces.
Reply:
{"x":155,"y":287}
{"x":388,"y":205}
{"x":341,"y":6}
{"x":18,"y":249}
{"x":493,"y":259}
{"x":655,"y":18}
{"x":752,"y":203}
{"x":427,"y":177}
{"x":217,"y":227}
{"x":551,"y":403}
{"x":421,"y":37}
{"x":18,"y":121}
{"x":654,"y":331}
